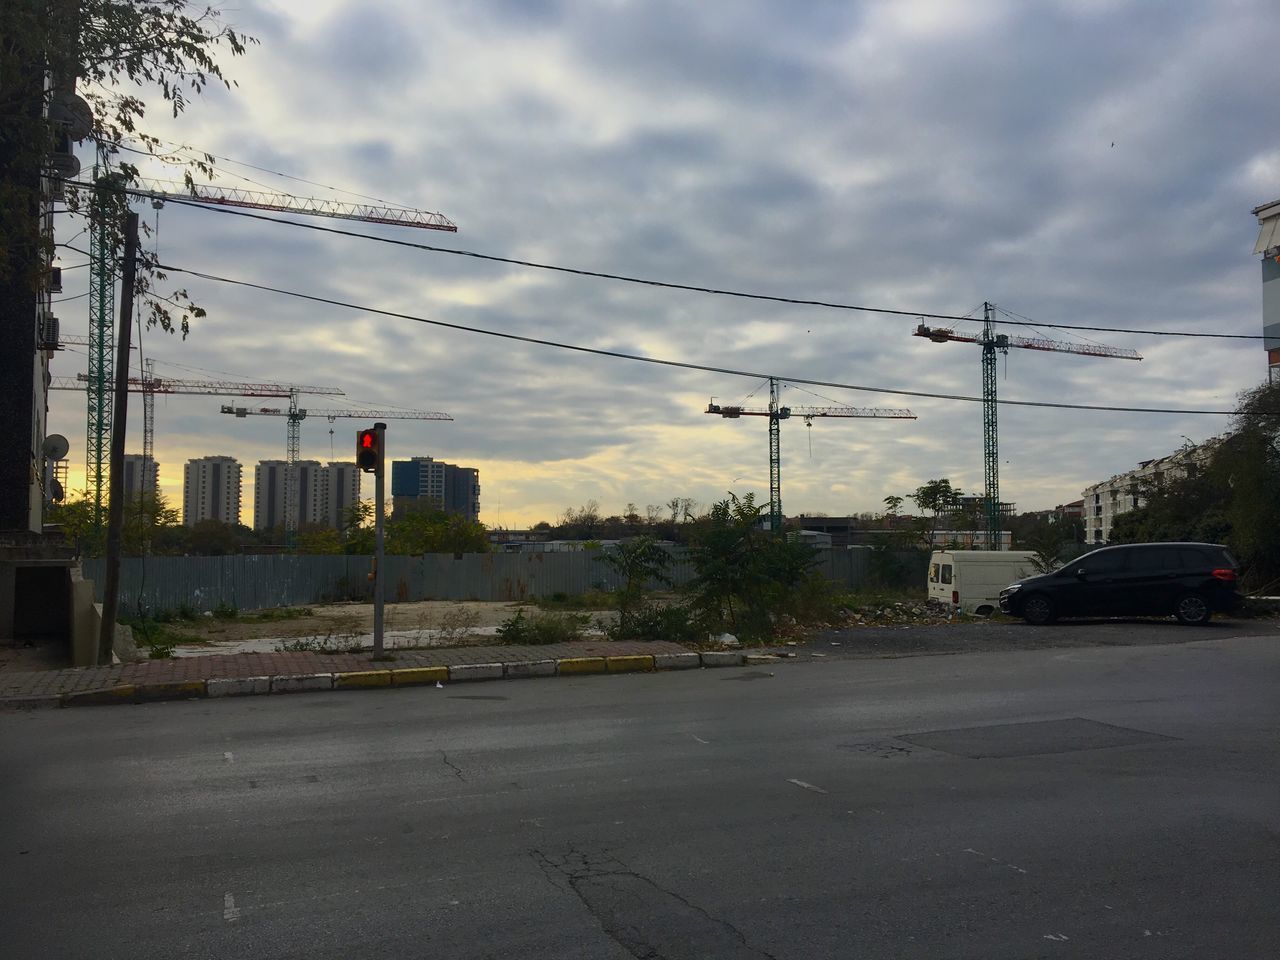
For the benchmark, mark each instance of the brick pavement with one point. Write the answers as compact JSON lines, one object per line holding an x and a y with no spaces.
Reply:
{"x":52,"y":683}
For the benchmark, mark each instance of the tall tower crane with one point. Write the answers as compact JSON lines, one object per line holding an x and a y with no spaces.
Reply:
{"x":991,"y":342}
{"x":149,"y":385}
{"x":776,"y":414}
{"x":103,"y":271}
{"x":296,"y":415}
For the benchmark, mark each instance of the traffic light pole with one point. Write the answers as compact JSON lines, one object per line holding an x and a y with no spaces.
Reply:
{"x":379,"y":503}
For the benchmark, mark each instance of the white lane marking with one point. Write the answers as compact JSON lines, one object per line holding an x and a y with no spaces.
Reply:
{"x":1056,"y":936}
{"x":806,"y":786}
{"x":699,"y":739}
{"x":228,"y":757}
{"x":997,"y":860}
{"x":230,"y":912}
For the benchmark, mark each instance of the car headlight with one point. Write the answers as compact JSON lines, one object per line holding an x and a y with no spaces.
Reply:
{"x":1012,"y":587}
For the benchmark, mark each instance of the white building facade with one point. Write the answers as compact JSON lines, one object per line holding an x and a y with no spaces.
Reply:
{"x":322,"y":493}
{"x":1105,"y":501}
{"x":211,"y":490}
{"x":141,"y":476}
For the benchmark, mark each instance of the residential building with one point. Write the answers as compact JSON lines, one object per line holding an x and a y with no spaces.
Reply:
{"x":423,"y":482}
{"x":211,"y":490}
{"x":140,"y":476}
{"x":322,"y":493}
{"x":340,"y":489}
{"x":1105,"y":501}
{"x":1268,"y":247}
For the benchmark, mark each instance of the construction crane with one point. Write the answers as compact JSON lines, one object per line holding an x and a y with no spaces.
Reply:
{"x":991,"y":343}
{"x":776,"y":414}
{"x":103,"y":274}
{"x":296,"y":415}
{"x":149,"y":385}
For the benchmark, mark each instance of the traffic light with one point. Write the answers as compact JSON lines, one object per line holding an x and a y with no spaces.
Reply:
{"x":368,"y":450}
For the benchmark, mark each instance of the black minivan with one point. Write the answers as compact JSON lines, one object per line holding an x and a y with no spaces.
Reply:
{"x":1191,"y":581}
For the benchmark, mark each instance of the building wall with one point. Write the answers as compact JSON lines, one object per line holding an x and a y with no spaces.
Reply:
{"x":324,"y":493}
{"x":140,"y":477}
{"x":211,"y":490}
{"x":421,"y":480}
{"x":1105,"y":501}
{"x":341,"y":489}
{"x":1271,"y":315}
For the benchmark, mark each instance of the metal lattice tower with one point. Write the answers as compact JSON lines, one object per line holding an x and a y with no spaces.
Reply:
{"x":993,"y":343}
{"x":775,"y":459}
{"x":776,"y":414}
{"x":102,"y":302}
{"x":293,"y":443}
{"x":148,"y":446}
{"x":990,"y":427}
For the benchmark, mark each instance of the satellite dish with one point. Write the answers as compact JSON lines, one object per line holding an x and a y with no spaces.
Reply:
{"x":55,"y":447}
{"x":57,"y":494}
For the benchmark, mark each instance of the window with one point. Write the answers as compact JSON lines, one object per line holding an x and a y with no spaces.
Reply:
{"x":1105,"y":561}
{"x":946,"y":573}
{"x":1154,"y":559}
{"x":933,"y":573}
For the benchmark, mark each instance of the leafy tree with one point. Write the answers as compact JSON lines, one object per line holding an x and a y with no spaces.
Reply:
{"x":115,"y":50}
{"x":434,"y":531}
{"x":639,"y":561}
{"x":892,"y":504}
{"x":320,"y":541}
{"x":213,"y":538}
{"x":744,"y":576}
{"x":939,"y":498}
{"x":1231,"y":499}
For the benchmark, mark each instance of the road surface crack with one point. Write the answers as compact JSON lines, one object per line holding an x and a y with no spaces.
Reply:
{"x":646,"y":919}
{"x":457,"y":772}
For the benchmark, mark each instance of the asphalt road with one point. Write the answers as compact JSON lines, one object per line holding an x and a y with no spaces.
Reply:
{"x":1098,"y":802}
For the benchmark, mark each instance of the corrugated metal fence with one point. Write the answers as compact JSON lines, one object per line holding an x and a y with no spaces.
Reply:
{"x":259,"y":582}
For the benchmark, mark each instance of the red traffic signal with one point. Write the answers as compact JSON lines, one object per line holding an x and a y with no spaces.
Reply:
{"x":368,"y":450}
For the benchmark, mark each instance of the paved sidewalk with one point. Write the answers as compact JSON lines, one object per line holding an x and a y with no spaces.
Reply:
{"x":187,"y":674}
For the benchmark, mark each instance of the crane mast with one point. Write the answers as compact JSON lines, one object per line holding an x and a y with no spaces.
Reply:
{"x":103,"y":270}
{"x":993,"y":343}
{"x":776,"y":414}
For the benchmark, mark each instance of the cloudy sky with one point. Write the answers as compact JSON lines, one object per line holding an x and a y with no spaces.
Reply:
{"x":1081,"y":161}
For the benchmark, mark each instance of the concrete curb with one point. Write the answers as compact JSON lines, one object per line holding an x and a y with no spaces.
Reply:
{"x":218,"y":687}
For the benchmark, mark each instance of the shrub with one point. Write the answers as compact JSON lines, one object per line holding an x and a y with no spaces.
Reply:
{"x":542,"y":628}
{"x":655,"y":622}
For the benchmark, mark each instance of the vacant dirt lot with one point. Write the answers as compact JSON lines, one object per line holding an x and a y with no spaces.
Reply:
{"x":351,"y":618}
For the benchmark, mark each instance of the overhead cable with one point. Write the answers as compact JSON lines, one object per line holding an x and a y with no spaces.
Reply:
{"x":619,"y":355}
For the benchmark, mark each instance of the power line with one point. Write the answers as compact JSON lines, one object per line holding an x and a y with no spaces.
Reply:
{"x":692,"y":288}
{"x":730,"y":371}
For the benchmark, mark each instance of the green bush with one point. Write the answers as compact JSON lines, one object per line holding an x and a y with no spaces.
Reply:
{"x":542,"y":628}
{"x":590,"y":600}
{"x":226,"y":611}
{"x":653,"y":621}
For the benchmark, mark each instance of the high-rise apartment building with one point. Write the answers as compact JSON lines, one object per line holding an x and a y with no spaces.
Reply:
{"x":140,"y":476}
{"x":322,"y":494}
{"x":1105,"y":501}
{"x":423,"y":481}
{"x":211,"y":490}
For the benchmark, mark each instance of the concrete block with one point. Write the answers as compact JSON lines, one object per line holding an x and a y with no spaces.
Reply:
{"x":676,"y":661}
{"x":238,"y":686}
{"x":121,"y":694}
{"x":629,"y":664}
{"x":722,"y":658}
{"x":582,"y":665}
{"x":297,"y":683}
{"x":411,"y":676}
{"x":475,"y":671}
{"x":753,"y":658}
{"x":172,"y":690}
{"x":361,"y":678}
{"x":531,"y":668}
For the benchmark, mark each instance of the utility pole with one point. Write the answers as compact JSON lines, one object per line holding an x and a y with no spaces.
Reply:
{"x":115,"y":502}
{"x":379,"y":504}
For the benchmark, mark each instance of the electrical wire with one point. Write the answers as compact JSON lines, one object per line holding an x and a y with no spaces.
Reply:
{"x":685,"y":365}
{"x":692,"y":288}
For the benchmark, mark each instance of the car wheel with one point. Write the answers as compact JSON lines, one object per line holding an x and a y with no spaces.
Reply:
{"x":1038,"y":610}
{"x":1192,"y":609}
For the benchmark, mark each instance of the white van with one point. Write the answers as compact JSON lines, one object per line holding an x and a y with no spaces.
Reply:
{"x":972,"y":579}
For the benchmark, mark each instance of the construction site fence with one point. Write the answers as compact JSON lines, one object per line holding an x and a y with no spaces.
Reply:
{"x":150,"y":585}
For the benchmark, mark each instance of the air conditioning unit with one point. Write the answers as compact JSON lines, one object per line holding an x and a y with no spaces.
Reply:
{"x":49,"y":339}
